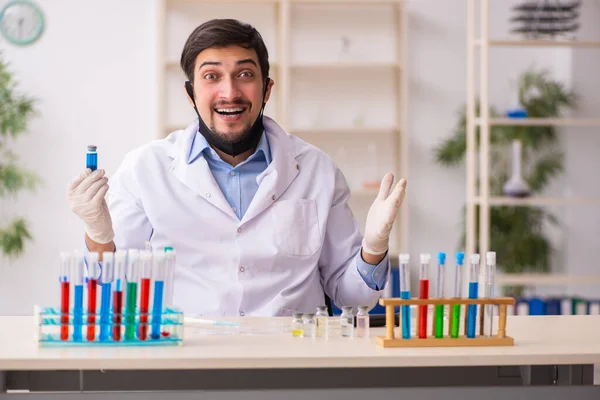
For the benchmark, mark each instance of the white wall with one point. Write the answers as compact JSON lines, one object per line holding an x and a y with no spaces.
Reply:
{"x":95,"y":78}
{"x":93,"y":72}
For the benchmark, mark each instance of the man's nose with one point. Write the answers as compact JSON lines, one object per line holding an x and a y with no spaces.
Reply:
{"x":229,"y":90}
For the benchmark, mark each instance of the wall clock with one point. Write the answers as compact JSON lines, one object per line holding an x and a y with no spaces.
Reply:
{"x":21,"y":22}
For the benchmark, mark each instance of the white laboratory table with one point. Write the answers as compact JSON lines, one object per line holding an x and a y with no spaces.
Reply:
{"x":553,"y":356}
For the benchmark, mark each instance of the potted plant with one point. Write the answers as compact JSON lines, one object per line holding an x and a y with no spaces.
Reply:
{"x":517,"y":232}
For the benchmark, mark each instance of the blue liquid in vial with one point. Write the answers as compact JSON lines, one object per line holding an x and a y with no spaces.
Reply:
{"x":78,"y":311}
{"x":157,"y":309}
{"x":472,"y":310}
{"x":91,"y":159}
{"x":105,"y":311}
{"x":405,"y":316}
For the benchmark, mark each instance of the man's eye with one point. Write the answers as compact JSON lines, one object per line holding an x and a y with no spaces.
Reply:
{"x":246,"y":74}
{"x":210,"y":76}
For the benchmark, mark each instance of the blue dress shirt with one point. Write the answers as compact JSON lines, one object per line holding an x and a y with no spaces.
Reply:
{"x":239,"y":186}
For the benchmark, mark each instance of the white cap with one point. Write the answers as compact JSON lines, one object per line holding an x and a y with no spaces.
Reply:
{"x":107,"y":256}
{"x":158,"y":255}
{"x":93,"y":256}
{"x":425,"y":258}
{"x":490,"y":257}
{"x":475,"y":258}
{"x":133,"y":254}
{"x":404,"y":258}
{"x":146,"y":255}
{"x":120,"y":255}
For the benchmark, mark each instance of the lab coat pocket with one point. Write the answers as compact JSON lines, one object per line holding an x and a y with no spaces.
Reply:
{"x":296,"y":226}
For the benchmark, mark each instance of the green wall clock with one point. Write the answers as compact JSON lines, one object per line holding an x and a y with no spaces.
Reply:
{"x":21,"y":22}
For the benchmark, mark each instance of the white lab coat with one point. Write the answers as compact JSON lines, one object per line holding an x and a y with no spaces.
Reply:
{"x":297,"y":240}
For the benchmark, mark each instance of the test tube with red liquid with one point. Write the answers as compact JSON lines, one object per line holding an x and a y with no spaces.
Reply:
{"x":93,"y":269}
{"x":146,"y":277}
{"x":423,"y":294}
{"x":120,"y":265}
{"x":65,"y":291}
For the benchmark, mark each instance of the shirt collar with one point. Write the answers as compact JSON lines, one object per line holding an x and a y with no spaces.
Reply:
{"x":200,"y":146}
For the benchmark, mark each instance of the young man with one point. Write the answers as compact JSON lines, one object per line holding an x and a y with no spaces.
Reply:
{"x":258,"y":218}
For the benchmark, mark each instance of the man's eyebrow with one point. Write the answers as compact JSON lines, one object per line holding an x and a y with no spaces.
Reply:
{"x":239,"y":62}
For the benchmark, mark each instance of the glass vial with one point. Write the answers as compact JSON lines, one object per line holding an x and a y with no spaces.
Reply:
{"x":362,"y":322}
{"x":297,"y":325}
{"x":91,"y":158}
{"x":310,"y":325}
{"x":322,"y":321}
{"x":347,"y":322}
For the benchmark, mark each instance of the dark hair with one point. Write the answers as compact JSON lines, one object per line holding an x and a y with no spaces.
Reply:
{"x":218,"y":33}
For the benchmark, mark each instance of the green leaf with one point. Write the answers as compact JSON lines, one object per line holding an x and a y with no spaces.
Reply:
{"x":12,"y":237}
{"x":546,"y":168}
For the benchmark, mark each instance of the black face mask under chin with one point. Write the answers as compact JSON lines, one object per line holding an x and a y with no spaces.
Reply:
{"x":247,"y":142}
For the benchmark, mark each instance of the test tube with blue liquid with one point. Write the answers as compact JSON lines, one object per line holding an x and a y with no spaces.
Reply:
{"x":490,"y":274}
{"x":77,"y":280}
{"x":404,"y":273}
{"x":158,"y":276}
{"x":106,"y":279}
{"x":473,"y":294}
{"x":91,"y":158}
{"x":119,"y":284}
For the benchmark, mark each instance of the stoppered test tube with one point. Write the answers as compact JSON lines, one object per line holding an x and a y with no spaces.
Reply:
{"x":423,"y":294}
{"x":146,"y":276}
{"x":404,"y":273}
{"x":106,"y":279}
{"x":158,"y":276}
{"x":455,"y":310}
{"x":132,"y":285}
{"x":119,"y":284}
{"x":473,"y":294}
{"x":170,"y":262}
{"x":77,"y":280}
{"x":490,"y":275}
{"x":91,"y":158}
{"x":439,"y":292}
{"x":66,"y":260}
{"x":92,"y":284}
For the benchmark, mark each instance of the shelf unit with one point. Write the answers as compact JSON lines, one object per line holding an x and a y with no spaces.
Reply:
{"x":483,"y":199}
{"x":288,"y":71}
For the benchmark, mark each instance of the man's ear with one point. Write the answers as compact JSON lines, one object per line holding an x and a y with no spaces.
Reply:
{"x":189,"y":89}
{"x":270,"y":84}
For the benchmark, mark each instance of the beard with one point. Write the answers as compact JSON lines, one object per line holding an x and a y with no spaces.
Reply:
{"x":230,"y":137}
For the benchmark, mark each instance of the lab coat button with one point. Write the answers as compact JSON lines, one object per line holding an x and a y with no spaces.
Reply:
{"x":239,"y":230}
{"x":273,"y":197}
{"x":242,"y":313}
{"x":207,"y":194}
{"x":242,"y":269}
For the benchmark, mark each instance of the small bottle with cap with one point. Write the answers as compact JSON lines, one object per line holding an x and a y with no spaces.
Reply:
{"x":91,"y":158}
{"x":297,"y":325}
{"x":309,"y":326}
{"x":347,"y":322}
{"x":322,"y":321}
{"x":362,"y":322}
{"x":490,"y":275}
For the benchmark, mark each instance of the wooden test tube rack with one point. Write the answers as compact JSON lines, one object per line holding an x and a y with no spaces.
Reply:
{"x":499,"y":339}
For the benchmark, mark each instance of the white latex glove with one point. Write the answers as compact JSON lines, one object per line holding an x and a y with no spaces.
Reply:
{"x":382,"y":214}
{"x":86,"y":197}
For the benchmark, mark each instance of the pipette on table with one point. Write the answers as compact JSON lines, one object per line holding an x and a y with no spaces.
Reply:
{"x":106,"y":279}
{"x":455,"y":310}
{"x":198,"y":320}
{"x":146,"y":275}
{"x":404,"y":274}
{"x":490,"y":274}
{"x":77,"y":279}
{"x":158,"y":276}
{"x":130,"y":305}
{"x":65,"y":289}
{"x":439,"y":292}
{"x":119,"y":279}
{"x":473,"y":294}
{"x":423,"y":294}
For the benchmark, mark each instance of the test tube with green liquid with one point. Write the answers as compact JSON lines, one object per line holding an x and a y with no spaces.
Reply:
{"x":455,"y":310}
{"x":439,"y":308}
{"x":133,"y":272}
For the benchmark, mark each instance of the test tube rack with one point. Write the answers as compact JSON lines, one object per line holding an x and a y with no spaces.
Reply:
{"x":499,"y":339}
{"x":53,"y":328}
